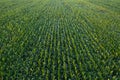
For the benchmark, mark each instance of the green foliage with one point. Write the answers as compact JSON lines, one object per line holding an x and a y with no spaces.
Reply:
{"x":59,"y":39}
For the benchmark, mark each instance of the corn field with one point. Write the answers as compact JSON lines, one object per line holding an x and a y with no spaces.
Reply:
{"x":59,"y":39}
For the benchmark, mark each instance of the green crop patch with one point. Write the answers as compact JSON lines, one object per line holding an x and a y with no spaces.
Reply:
{"x":59,"y":40}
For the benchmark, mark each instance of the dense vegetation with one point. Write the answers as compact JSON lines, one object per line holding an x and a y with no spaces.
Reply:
{"x":59,"y":39}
